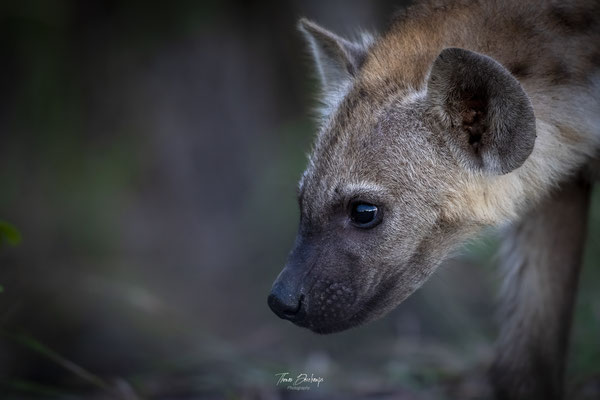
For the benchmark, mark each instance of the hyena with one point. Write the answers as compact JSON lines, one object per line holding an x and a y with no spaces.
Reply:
{"x":462,"y":115}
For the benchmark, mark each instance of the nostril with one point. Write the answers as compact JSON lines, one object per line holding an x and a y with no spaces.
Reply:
{"x":290,"y":309}
{"x":295,"y":311}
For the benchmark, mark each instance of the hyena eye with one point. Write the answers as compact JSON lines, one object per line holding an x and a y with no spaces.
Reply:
{"x":364,"y":215}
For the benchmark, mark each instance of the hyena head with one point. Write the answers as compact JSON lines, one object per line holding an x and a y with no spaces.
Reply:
{"x":397,"y":178}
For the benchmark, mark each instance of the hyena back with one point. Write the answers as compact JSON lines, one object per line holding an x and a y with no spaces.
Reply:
{"x":461,"y":115}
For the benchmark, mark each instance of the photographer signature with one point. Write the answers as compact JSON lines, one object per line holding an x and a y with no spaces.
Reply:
{"x":292,"y":382}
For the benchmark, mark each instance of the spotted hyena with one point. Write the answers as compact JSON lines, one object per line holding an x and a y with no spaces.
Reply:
{"x":461,"y":115}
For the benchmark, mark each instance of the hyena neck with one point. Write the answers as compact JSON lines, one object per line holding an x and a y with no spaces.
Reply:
{"x":494,"y":200}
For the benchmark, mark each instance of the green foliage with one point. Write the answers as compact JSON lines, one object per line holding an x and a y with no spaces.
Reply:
{"x":9,"y":234}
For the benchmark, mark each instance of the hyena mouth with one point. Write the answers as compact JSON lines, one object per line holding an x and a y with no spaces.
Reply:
{"x":327,"y":307}
{"x":331,"y":301}
{"x":355,"y":312}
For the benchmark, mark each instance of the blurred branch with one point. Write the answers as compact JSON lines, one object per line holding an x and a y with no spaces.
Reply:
{"x":121,"y":390}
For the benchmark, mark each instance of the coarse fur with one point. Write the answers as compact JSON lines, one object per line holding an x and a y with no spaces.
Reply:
{"x":541,"y":256}
{"x":462,"y":115}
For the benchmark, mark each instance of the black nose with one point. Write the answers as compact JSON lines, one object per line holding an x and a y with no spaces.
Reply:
{"x":286,"y":306}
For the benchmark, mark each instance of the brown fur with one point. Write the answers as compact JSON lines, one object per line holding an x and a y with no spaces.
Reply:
{"x":549,"y":39}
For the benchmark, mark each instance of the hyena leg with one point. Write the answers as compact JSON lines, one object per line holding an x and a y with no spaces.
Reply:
{"x":541,"y":257}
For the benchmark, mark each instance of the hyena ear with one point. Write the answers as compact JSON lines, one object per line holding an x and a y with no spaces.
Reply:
{"x":337,"y":59}
{"x":488,"y":115}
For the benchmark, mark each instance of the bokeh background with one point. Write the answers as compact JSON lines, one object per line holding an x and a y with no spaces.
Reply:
{"x":149,"y":153}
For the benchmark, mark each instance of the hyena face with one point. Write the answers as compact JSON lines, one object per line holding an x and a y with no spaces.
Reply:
{"x":382,"y":199}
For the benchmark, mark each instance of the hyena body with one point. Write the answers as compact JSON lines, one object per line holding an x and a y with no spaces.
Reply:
{"x":461,"y":116}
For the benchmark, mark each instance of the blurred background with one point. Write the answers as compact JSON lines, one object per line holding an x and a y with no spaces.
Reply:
{"x":149,"y":154}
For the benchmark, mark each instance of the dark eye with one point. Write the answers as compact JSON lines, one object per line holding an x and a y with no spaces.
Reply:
{"x":364,"y":215}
